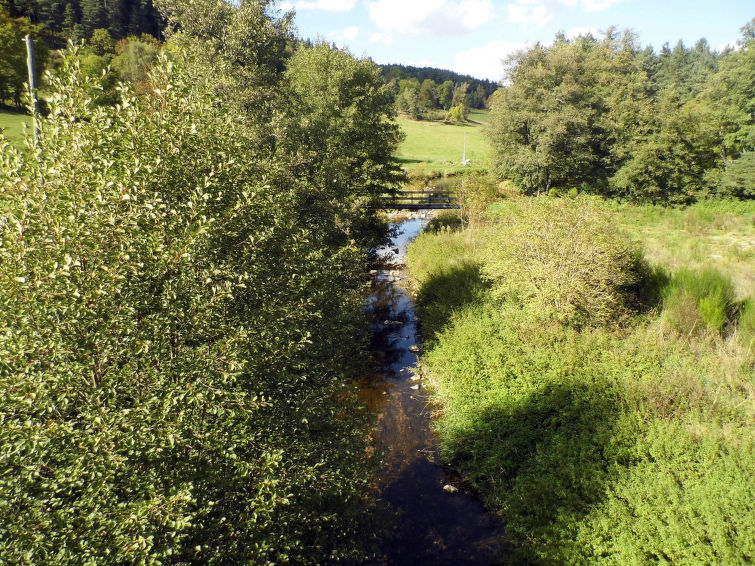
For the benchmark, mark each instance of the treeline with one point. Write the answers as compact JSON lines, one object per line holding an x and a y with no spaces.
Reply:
{"x":118,"y":52}
{"x":180,"y":304}
{"x":612,"y":118}
{"x":394,"y":72}
{"x":59,"y":20}
{"x":428,"y":93}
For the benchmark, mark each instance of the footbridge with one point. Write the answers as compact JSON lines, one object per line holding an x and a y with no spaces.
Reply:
{"x":421,"y":200}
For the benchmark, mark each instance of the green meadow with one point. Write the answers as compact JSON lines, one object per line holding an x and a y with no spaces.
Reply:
{"x":437,"y":147}
{"x":12,"y":126}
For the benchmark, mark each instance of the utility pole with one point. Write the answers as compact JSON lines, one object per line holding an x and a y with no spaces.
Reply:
{"x":32,"y":85}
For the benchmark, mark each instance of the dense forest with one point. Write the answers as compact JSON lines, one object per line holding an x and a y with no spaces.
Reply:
{"x":77,"y":19}
{"x":395,"y":72}
{"x":180,"y":302}
{"x":609,"y":117}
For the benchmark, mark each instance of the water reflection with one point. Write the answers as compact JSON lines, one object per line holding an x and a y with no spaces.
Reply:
{"x":433,"y":526}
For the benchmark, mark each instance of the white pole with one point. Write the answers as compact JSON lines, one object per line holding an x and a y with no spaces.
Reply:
{"x":32,"y":85}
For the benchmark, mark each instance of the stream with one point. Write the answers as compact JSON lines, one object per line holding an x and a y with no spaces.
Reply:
{"x":437,"y":520}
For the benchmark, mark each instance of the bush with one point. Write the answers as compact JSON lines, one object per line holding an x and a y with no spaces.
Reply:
{"x":176,"y":346}
{"x":697,"y":300}
{"x":565,"y":258}
{"x":444,"y":221}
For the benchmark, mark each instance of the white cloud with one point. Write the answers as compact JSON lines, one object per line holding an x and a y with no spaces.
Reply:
{"x":486,"y":61}
{"x":341,"y":37}
{"x":574,"y":33}
{"x":733,"y":45}
{"x":327,"y":5}
{"x":441,"y":17}
{"x":541,"y":12}
{"x":598,"y":5}
{"x":528,"y":12}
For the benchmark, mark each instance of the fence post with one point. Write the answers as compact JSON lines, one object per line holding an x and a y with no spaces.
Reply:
{"x":32,"y":85}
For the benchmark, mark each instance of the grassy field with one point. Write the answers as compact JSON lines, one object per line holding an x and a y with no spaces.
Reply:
{"x":623,"y":439}
{"x":718,"y":234}
{"x":438,"y":147}
{"x":12,"y":126}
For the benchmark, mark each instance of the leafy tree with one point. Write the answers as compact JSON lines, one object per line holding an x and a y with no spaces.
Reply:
{"x":133,"y":64}
{"x":185,"y":339}
{"x":479,"y":99}
{"x":612,"y":118}
{"x":93,"y":16}
{"x":458,"y":113}
{"x":543,"y":125}
{"x":342,"y":132}
{"x":446,"y":94}
{"x":101,"y":42}
{"x":408,"y":103}
{"x":241,"y":49}
{"x":427,"y":97}
{"x":738,"y":180}
{"x":460,"y":95}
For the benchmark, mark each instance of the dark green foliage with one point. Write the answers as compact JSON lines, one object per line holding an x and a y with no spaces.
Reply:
{"x":738,"y":179}
{"x":13,"y":67}
{"x":617,"y":120}
{"x":438,"y":76}
{"x":340,"y":132}
{"x":78,"y":19}
{"x":444,"y":220}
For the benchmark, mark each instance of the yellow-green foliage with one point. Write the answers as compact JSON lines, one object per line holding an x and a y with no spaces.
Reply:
{"x":565,"y":257}
{"x":175,"y":346}
{"x":619,"y":445}
{"x":445,"y":220}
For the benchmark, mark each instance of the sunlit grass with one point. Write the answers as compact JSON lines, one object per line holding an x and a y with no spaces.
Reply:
{"x":12,"y":126}
{"x":716,"y":234}
{"x":438,"y":147}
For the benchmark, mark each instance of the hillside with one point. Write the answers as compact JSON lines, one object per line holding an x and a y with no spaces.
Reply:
{"x":437,"y":147}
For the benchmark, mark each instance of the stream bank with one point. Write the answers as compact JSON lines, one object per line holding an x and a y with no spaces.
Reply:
{"x":437,"y":520}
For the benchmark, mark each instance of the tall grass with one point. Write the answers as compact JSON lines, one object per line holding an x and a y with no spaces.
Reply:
{"x":698,"y":300}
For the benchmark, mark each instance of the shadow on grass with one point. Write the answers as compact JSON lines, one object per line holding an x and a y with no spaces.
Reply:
{"x":447,"y":291}
{"x":406,"y":160}
{"x":541,"y":457}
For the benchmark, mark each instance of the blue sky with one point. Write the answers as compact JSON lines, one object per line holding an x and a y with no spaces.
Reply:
{"x":473,"y":36}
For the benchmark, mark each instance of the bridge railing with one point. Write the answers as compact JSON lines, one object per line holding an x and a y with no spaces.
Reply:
{"x":413,"y":200}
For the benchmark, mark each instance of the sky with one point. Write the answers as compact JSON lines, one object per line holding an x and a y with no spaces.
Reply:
{"x":473,"y":37}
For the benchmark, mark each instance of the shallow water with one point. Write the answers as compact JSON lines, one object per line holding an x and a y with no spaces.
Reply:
{"x":432,"y":526}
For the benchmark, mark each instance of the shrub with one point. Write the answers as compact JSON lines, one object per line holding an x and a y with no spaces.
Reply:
{"x":446,"y":220}
{"x":564,"y":257}
{"x":175,"y":346}
{"x":625,"y":445}
{"x":697,"y":300}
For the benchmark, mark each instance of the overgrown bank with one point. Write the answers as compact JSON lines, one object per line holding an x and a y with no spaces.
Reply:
{"x":602,"y":406}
